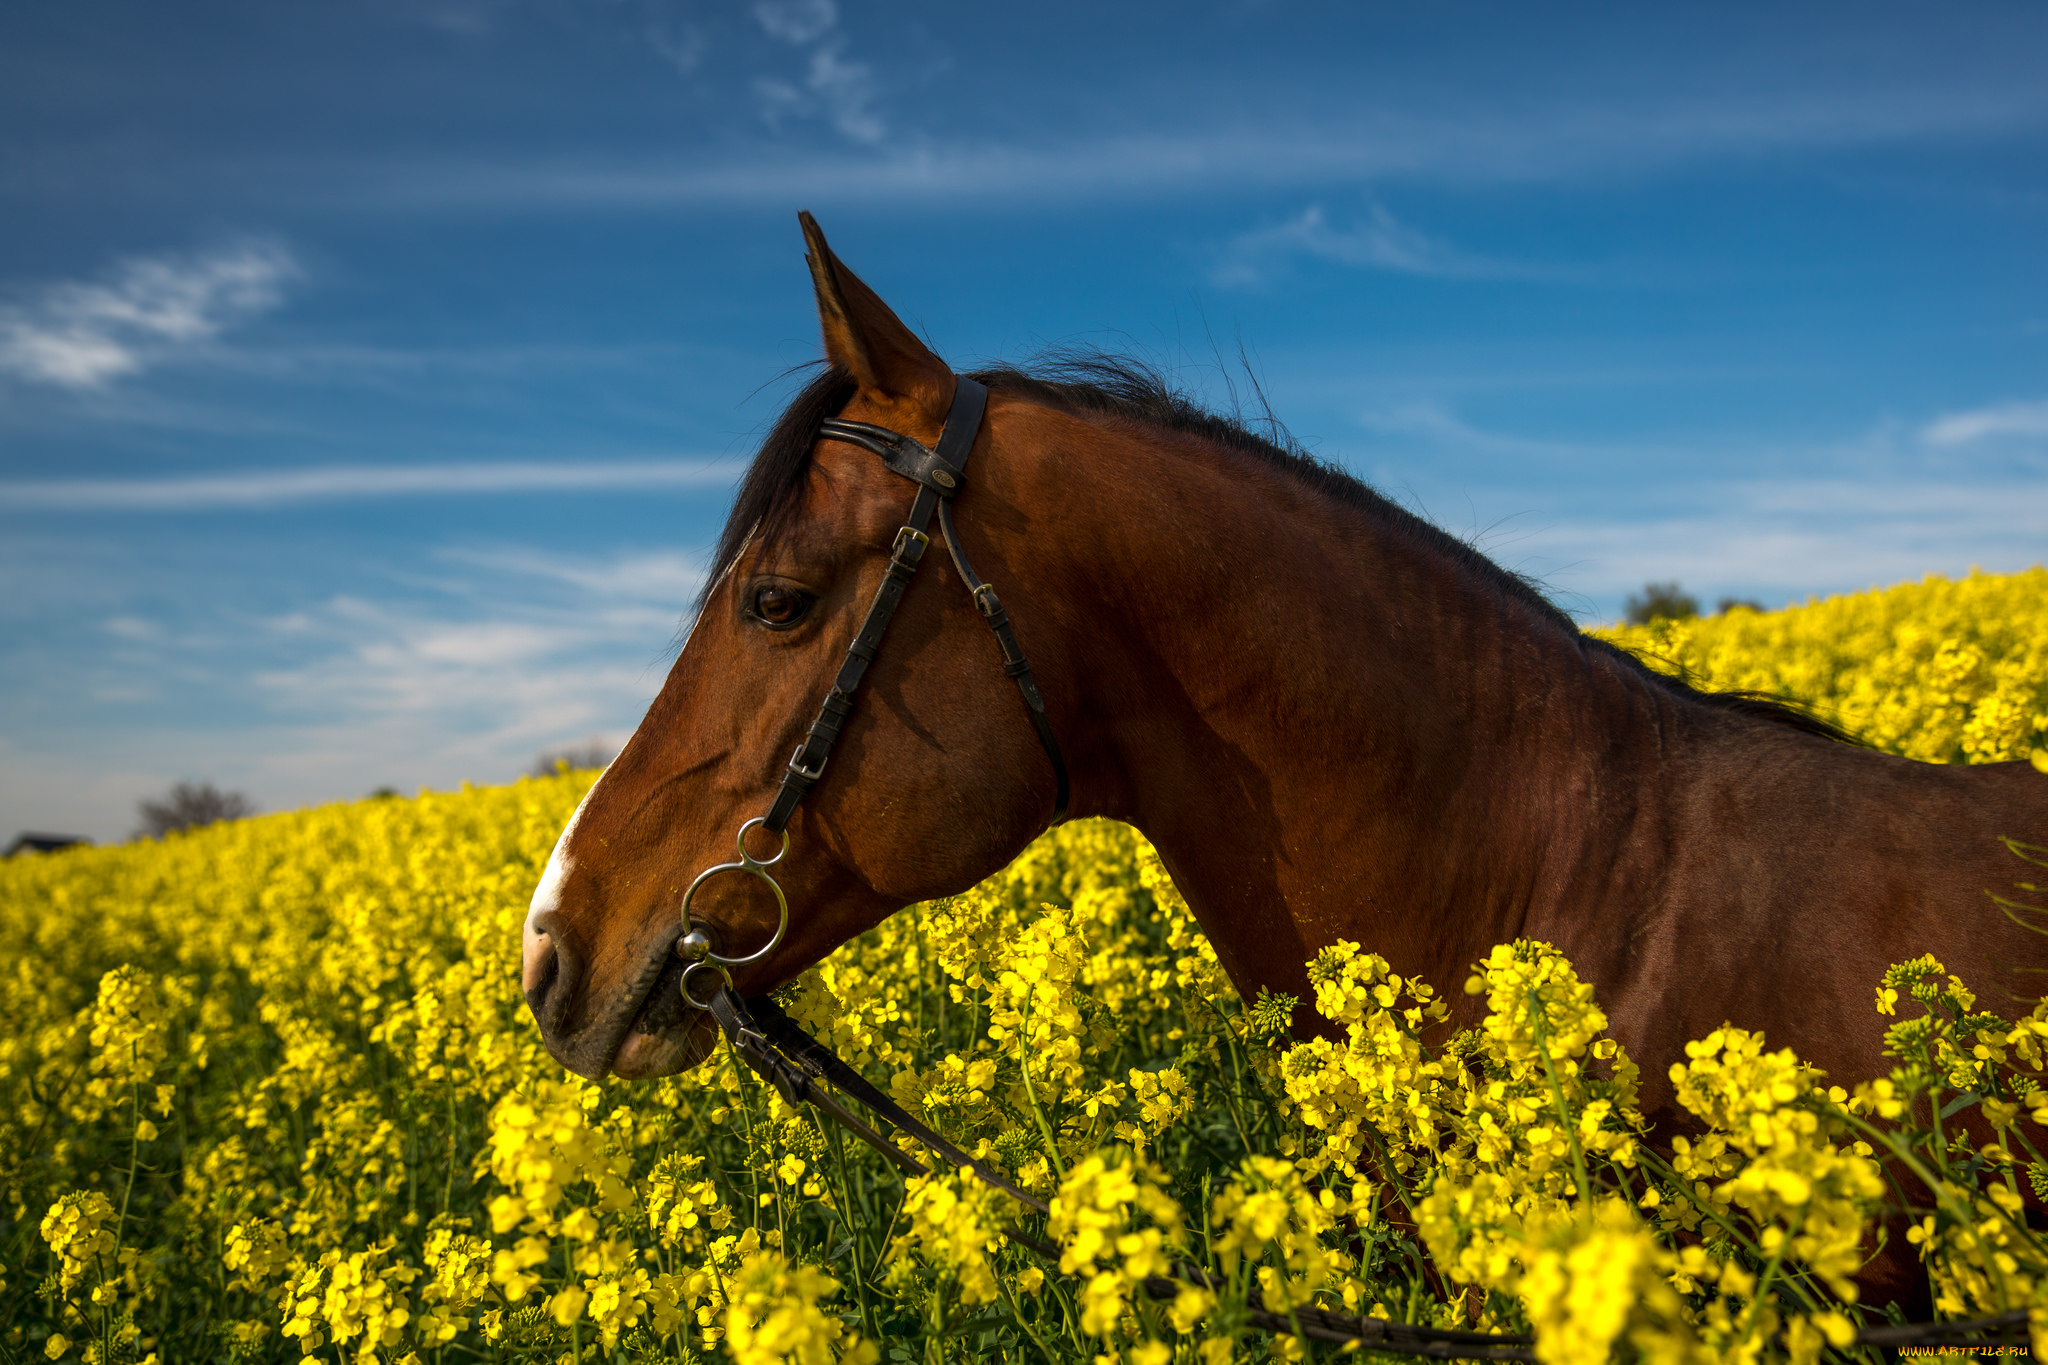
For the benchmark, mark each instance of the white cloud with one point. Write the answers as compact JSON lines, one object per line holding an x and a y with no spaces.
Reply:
{"x":520,"y":650}
{"x":496,"y":679}
{"x":1379,"y":242}
{"x":270,"y":488}
{"x":847,"y":90}
{"x":1776,"y":539}
{"x":2006,"y":419}
{"x":134,"y":628}
{"x":81,"y":335}
{"x":1783,"y":540}
{"x":842,"y":91}
{"x":682,"y":46}
{"x":664,"y":576}
{"x":796,"y":21}
{"x":1462,"y":145}
{"x":1719,"y":523}
{"x":1431,"y":421}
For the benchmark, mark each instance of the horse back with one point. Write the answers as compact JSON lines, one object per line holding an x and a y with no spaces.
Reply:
{"x":1796,"y":870}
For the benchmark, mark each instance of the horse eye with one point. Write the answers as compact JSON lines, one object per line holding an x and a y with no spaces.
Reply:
{"x":779,"y":606}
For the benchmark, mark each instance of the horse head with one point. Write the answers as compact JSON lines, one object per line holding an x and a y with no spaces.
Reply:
{"x":936,"y":779}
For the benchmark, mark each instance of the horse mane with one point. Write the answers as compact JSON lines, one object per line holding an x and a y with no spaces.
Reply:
{"x":771,"y":495}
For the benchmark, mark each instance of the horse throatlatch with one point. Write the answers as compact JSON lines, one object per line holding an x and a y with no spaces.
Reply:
{"x":939,"y":473}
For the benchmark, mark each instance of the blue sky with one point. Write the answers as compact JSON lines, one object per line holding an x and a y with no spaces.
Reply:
{"x":374,"y":373}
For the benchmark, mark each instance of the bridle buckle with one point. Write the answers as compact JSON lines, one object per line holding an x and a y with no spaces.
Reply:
{"x":807,"y":774}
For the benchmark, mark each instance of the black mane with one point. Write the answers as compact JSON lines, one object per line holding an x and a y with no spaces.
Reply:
{"x":771,"y":495}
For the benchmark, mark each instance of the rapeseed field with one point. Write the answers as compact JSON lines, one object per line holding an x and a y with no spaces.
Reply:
{"x":269,"y":1090}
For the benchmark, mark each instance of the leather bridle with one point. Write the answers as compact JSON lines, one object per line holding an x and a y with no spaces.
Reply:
{"x":940,"y":474}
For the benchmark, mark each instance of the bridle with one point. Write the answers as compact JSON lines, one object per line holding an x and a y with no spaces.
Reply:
{"x":939,"y":474}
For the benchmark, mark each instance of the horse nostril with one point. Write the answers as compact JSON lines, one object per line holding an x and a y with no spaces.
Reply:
{"x":547,"y":971}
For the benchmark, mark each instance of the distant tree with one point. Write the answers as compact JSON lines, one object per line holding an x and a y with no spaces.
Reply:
{"x":188,"y":805}
{"x":384,"y":794}
{"x":1660,"y":602}
{"x":28,"y":841}
{"x":593,"y":754}
{"x":1728,"y":604}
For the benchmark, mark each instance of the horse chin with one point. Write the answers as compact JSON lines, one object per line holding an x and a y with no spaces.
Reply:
{"x":663,"y":1052}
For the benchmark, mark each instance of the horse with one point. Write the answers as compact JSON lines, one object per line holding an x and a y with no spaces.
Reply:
{"x":1331,"y":718}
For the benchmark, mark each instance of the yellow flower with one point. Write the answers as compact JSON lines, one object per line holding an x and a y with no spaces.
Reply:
{"x":1096,"y":1216}
{"x":954,"y":1221}
{"x":774,"y":1317}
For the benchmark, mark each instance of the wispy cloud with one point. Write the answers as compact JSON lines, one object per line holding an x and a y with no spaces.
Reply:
{"x":2006,"y":419}
{"x":487,"y":679}
{"x":1431,"y":421}
{"x":796,"y":21}
{"x":1378,"y":241}
{"x":1374,"y":144}
{"x":269,"y":488}
{"x":1768,"y":539}
{"x":666,"y":576}
{"x":681,"y":45}
{"x":1778,"y":538}
{"x":841,"y":90}
{"x":81,"y":334}
{"x":465,"y":671}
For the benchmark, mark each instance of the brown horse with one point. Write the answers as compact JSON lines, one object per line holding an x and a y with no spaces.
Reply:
{"x":1332,"y":719}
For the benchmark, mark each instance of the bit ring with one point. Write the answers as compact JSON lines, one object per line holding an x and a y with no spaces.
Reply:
{"x":753,"y":867}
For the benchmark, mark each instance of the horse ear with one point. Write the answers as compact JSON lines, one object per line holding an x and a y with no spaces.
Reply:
{"x":863,"y":336}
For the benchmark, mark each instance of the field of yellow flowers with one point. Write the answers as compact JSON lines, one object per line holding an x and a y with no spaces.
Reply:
{"x":269,"y":1090}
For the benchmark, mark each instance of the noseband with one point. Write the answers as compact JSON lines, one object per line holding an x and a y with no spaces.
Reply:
{"x":939,"y":475}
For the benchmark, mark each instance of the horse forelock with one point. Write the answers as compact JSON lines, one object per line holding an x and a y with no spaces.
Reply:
{"x":771,"y":493}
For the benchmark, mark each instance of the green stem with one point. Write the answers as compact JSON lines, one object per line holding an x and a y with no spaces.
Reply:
{"x":882,"y":1247}
{"x":1770,"y":1271}
{"x":1938,"y":1187}
{"x":1564,"y":1116}
{"x":1236,"y":1077}
{"x":1052,"y":1148}
{"x":448,"y":1185}
{"x":1017,"y":1316}
{"x":860,"y":1286}
{"x":1067,"y":1318}
{"x":134,"y":1145}
{"x":746,"y":1108}
{"x":1734,"y":1231}
{"x":933,"y":1348}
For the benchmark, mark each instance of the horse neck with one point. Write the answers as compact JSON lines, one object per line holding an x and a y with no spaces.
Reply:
{"x":1329,"y":722}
